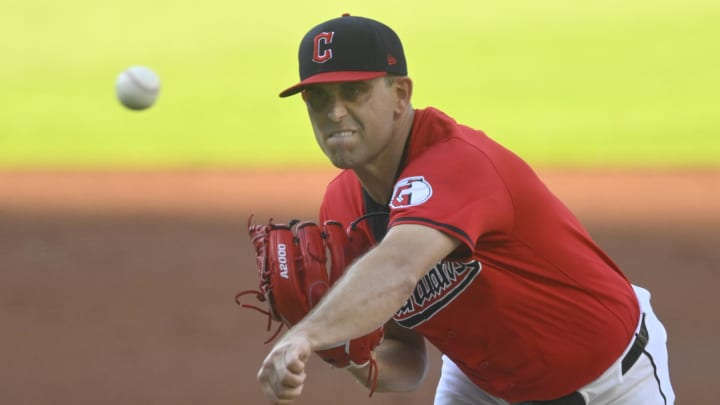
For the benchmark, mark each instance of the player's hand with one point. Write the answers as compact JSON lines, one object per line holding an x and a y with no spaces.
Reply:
{"x":282,"y":374}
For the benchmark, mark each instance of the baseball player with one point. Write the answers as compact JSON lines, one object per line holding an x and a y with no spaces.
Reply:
{"x":471,"y":252}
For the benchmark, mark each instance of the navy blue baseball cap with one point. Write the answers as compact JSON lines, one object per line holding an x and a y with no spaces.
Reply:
{"x":347,"y":49}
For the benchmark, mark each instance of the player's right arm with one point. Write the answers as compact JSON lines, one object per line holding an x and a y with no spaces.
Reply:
{"x":401,"y":361}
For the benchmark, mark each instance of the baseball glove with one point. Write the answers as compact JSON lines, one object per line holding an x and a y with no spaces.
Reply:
{"x":297,"y":264}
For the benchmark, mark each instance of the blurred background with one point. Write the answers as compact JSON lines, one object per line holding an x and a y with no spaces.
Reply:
{"x":123,"y":233}
{"x":560,"y":82}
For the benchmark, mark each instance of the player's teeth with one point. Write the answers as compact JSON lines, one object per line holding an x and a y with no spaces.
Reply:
{"x":343,"y":133}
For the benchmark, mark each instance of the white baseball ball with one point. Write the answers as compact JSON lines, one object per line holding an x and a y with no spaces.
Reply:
{"x":137,"y":87}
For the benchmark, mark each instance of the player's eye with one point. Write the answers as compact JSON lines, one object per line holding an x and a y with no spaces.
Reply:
{"x":351,"y":91}
{"x":317,"y":99}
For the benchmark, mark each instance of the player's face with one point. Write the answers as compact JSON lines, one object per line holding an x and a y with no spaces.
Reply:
{"x":353,"y":121}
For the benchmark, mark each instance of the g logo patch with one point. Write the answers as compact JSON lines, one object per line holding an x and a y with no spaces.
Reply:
{"x":410,"y":191}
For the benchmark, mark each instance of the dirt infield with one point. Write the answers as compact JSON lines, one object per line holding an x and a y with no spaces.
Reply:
{"x":117,"y":288}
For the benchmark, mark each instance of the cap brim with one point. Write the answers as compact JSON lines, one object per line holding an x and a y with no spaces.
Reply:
{"x":331,"y":77}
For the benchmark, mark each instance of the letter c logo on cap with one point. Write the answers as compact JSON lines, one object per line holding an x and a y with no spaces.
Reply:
{"x":321,"y":51}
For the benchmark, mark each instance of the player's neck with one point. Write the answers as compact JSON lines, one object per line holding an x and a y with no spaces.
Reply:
{"x":378,"y":187}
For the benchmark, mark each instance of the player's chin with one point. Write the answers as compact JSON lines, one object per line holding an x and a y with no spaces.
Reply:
{"x":341,"y":165}
{"x":342,"y":161}
{"x":342,"y":158}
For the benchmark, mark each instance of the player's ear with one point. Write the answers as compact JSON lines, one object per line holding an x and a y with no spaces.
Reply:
{"x":402,"y":87}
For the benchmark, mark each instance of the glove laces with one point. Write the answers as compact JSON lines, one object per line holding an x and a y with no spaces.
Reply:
{"x":372,"y":376}
{"x":260,"y":297}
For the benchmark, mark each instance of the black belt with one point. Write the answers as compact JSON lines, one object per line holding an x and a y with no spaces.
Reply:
{"x":637,"y":348}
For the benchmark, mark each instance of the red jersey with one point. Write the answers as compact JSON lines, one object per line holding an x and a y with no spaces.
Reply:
{"x":528,"y":306}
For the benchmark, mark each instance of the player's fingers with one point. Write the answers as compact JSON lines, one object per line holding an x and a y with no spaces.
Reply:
{"x":281,"y":389}
{"x":288,"y":392}
{"x":285,"y":390}
{"x":289,"y":398}
{"x":282,"y":371}
{"x":295,"y":358}
{"x":286,"y":396}
{"x":282,"y":374}
{"x":293,"y":380}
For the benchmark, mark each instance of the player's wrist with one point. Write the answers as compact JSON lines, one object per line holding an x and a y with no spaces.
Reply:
{"x":297,"y":336}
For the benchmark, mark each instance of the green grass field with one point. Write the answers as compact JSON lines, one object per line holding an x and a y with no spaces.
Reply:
{"x":563,"y":83}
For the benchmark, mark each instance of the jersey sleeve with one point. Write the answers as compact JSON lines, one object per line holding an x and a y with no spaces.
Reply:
{"x":455,"y":189}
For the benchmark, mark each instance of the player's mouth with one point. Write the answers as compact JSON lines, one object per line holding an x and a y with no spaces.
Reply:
{"x":341,"y":134}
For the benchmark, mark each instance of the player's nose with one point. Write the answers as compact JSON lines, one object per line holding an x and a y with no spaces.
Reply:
{"x":337,"y":109}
